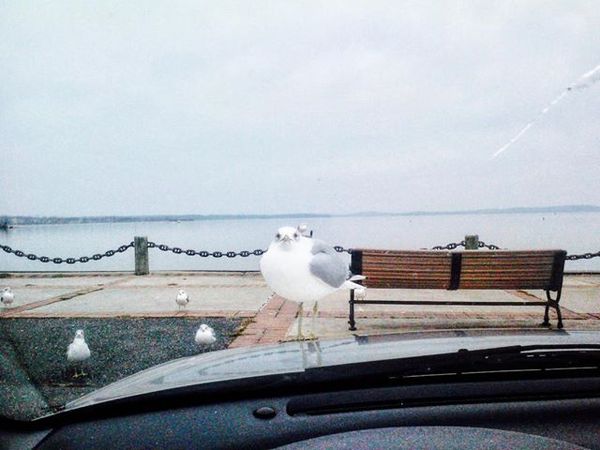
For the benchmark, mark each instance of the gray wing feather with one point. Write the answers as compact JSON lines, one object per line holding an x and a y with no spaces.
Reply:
{"x":327,"y":265}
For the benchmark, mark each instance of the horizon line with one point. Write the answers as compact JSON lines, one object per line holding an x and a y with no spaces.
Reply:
{"x":190,"y":216}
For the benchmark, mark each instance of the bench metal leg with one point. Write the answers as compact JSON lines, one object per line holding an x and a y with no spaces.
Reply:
{"x":546,"y":322}
{"x":351,"y":320}
{"x":553,"y":302}
{"x":560,"y":322}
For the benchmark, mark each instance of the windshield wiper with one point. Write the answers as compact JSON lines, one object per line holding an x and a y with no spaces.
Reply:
{"x":515,"y":358}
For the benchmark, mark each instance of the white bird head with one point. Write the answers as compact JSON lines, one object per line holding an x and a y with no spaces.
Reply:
{"x":287,"y":236}
{"x":79,"y":334}
{"x":204,"y":327}
{"x":7,"y":289}
{"x":181,"y":292}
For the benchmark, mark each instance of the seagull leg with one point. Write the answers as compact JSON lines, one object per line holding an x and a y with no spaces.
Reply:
{"x":300,"y":337}
{"x":313,"y":321}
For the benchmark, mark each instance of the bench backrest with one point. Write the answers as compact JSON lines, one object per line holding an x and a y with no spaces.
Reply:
{"x":468,"y":269}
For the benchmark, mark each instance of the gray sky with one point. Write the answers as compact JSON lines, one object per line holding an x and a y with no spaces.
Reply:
{"x":264,"y":107}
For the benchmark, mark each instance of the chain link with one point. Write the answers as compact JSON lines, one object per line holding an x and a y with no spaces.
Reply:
{"x":454,"y":245}
{"x":70,"y":260}
{"x":583,"y":256}
{"x":450,"y":246}
{"x":489,"y":246}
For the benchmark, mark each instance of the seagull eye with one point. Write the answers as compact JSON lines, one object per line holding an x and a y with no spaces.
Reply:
{"x":278,"y":236}
{"x":295,"y":235}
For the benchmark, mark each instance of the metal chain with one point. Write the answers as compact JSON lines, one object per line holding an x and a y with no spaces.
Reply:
{"x":341,"y":249}
{"x":488,"y":246}
{"x":82,"y":259}
{"x":453,"y":245}
{"x":583,"y":256}
{"x":450,"y":246}
{"x":204,"y":253}
{"x":228,"y":254}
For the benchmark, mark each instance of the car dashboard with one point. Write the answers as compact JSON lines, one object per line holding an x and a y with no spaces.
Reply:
{"x":458,"y":412}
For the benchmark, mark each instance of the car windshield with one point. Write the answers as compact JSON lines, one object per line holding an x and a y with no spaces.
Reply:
{"x":184,"y":183}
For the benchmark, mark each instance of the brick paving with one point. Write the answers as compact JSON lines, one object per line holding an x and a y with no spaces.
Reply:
{"x":270,"y":325}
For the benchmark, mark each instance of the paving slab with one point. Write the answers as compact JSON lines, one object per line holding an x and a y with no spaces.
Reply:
{"x":581,"y":280}
{"x":325,"y":328}
{"x":67,"y":283}
{"x":339,"y":301}
{"x":583,"y":299}
{"x":30,"y":295}
{"x":185,"y":281}
{"x":121,"y":300}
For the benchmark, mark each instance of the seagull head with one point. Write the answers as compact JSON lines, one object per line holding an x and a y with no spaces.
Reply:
{"x":79,"y":334}
{"x":287,"y":235}
{"x":204,"y":328}
{"x":181,"y":292}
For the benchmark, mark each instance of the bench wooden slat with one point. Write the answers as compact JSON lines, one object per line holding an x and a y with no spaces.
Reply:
{"x":410,"y":269}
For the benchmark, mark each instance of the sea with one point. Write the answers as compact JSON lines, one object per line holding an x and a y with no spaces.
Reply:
{"x":577,"y":233}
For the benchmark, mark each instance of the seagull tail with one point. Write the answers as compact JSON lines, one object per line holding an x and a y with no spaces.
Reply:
{"x":351,"y":285}
{"x":357,"y":278}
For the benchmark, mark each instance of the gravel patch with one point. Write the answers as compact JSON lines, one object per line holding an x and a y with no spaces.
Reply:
{"x":36,"y":378}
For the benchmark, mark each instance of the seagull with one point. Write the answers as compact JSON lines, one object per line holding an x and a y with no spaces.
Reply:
{"x":205,"y":335}
{"x":303,"y":229}
{"x":77,"y":352}
{"x":7,"y":297}
{"x":360,"y":294}
{"x":303,"y":269}
{"x":182,"y":299}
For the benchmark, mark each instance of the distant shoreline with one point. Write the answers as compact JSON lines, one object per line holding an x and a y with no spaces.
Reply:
{"x":7,"y":221}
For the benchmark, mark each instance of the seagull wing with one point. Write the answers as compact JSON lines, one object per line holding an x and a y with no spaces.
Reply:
{"x":327,"y":265}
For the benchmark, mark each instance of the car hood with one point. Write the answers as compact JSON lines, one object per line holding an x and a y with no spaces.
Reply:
{"x":296,"y":357}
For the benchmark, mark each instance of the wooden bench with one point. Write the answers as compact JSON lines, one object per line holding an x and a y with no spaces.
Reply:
{"x":452,"y":270}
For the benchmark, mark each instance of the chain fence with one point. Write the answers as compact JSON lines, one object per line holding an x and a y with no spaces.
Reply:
{"x":81,"y":259}
{"x":227,"y":254}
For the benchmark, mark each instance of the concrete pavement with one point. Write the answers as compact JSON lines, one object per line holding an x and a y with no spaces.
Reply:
{"x":133,"y":323}
{"x":269,"y":318}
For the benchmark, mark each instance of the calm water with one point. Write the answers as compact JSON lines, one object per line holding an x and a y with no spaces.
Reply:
{"x":576,"y":233}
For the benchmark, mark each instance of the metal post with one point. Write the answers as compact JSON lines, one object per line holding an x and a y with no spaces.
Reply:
{"x":471,"y":242}
{"x":141,"y":255}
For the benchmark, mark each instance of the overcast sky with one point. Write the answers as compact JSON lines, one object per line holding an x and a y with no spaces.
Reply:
{"x":266,"y":107}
